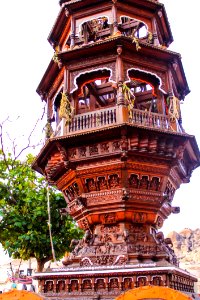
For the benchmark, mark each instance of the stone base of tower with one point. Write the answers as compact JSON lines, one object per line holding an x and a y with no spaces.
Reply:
{"x":110,"y":282}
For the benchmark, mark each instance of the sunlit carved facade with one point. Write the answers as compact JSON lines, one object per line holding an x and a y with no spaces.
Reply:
{"x":115,"y":145}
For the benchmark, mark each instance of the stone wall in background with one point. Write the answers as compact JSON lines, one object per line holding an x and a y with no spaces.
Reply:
{"x":186,"y":245}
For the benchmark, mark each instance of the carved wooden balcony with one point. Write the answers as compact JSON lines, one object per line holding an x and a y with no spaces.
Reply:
{"x":108,"y":117}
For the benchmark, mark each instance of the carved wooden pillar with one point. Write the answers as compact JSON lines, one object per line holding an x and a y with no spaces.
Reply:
{"x":67,"y":285}
{"x":161,"y":103}
{"x":80,"y":284}
{"x":114,"y":14}
{"x":155,"y":35}
{"x":173,"y":123}
{"x":120,"y":283}
{"x":122,"y":110}
{"x":54,"y":285}
{"x":119,"y":65}
{"x":72,"y":44}
{"x":66,"y":80}
{"x":107,"y":283}
{"x":93,"y":283}
{"x":41,"y":288}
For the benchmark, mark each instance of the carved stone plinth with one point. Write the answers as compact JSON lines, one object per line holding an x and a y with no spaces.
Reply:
{"x":111,"y":281}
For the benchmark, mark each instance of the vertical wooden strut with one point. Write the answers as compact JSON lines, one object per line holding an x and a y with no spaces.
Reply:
{"x":122,"y":110}
{"x":114,"y":13}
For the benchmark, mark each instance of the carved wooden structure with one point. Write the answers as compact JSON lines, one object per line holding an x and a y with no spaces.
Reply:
{"x":115,"y":145}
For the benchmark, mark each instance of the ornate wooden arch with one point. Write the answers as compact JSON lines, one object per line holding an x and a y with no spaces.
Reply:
{"x":86,"y":77}
{"x":150,"y":78}
{"x":19,"y":295}
{"x":153,"y":292}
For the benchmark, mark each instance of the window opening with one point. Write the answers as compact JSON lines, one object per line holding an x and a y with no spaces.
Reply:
{"x":95,"y":29}
{"x":133,"y":28}
{"x":95,"y":93}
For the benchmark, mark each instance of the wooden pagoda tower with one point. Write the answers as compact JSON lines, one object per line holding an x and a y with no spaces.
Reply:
{"x":115,"y":145}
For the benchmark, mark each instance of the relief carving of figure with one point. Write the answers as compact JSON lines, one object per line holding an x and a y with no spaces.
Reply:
{"x":87,"y":285}
{"x":142,"y":281}
{"x":100,"y":284}
{"x":73,"y":286}
{"x":144,"y":182}
{"x":93,"y":149}
{"x":88,"y":237}
{"x":126,"y":235}
{"x":154,"y":184}
{"x":116,"y":145}
{"x":91,"y":186}
{"x":133,"y":181}
{"x":109,"y":218}
{"x":114,"y":284}
{"x":114,"y":181}
{"x":156,"y":280}
{"x":102,"y":184}
{"x":104,"y":147}
{"x":71,"y":191}
{"x":82,"y":151}
{"x":127,"y":284}
{"x":49,"y":286}
{"x":61,"y":286}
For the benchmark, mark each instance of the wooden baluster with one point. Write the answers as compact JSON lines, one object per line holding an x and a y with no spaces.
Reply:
{"x":88,"y":121}
{"x":142,"y":115}
{"x":134,"y":117}
{"x":101,"y":119}
{"x":150,"y":119}
{"x":84,"y":122}
{"x":154,"y":123}
{"x":111,"y":117}
{"x":95,"y":120}
{"x":91,"y":121}
{"x":108,"y":117}
{"x":162,"y":125}
{"x":146,"y":117}
{"x":150,"y":116}
{"x":81,"y":122}
{"x":71,"y":125}
{"x":168,"y":123}
{"x":115,"y":116}
{"x":158,"y":122}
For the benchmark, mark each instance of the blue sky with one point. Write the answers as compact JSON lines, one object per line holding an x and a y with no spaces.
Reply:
{"x":25,"y":54}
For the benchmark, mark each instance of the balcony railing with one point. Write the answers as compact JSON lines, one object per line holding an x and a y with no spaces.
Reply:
{"x":149,"y":119}
{"x":92,"y":120}
{"x":114,"y":116}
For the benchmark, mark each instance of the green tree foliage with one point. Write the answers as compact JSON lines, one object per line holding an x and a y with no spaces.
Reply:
{"x":24,"y":226}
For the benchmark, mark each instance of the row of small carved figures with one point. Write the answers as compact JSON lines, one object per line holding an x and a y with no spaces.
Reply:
{"x":114,"y":182}
{"x":101,"y":284}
